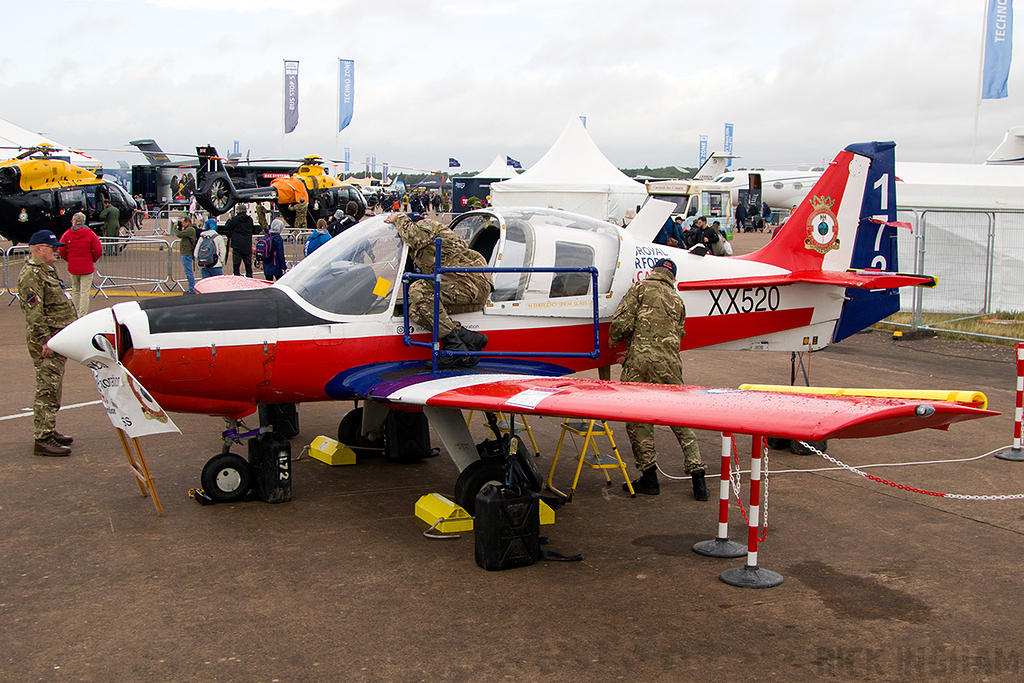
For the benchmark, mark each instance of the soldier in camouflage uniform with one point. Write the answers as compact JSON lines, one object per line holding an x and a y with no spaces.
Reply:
{"x":650,"y":320}
{"x":462,"y":291}
{"x":47,"y":311}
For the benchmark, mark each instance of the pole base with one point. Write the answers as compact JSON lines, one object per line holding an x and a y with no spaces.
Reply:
{"x":751,"y":577}
{"x":720,"y":547}
{"x":1011,"y":453}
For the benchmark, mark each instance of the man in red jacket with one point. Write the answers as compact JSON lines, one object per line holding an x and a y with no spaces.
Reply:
{"x":81,"y":250}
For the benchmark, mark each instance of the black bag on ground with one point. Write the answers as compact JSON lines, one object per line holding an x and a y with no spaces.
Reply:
{"x":506,"y":527}
{"x":270,"y":459}
{"x":406,"y":436}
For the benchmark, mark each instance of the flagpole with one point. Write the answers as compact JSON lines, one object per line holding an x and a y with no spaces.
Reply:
{"x":981,"y":72}
{"x":284,"y":100}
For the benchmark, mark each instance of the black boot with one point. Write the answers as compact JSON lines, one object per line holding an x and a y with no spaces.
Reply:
{"x":700,"y":487}
{"x":453,"y":342}
{"x":647,"y":483}
{"x":474,"y":341}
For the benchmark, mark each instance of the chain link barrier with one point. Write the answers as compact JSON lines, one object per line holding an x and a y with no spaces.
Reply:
{"x":902,"y":487}
{"x":734,"y":479}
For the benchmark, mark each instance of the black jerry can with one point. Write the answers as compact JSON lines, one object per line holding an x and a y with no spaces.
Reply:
{"x":270,"y":458}
{"x":507,"y":527}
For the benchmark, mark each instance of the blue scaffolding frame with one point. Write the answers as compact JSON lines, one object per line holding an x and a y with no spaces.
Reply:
{"x":435,"y":345}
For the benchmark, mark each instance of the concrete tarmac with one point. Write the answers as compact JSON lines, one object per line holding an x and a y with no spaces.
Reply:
{"x":339,"y":584}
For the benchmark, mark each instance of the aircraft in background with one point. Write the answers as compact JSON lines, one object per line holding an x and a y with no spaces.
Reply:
{"x":41,"y":192}
{"x":333,"y":327}
{"x":324,"y":193}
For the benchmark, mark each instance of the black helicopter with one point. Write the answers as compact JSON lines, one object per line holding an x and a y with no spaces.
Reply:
{"x":326,"y":194}
{"x":39,"y":192}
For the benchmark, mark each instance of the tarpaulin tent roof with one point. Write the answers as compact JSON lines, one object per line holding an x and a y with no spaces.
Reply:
{"x":499,"y":168}
{"x":575,"y":176}
{"x":18,"y":139}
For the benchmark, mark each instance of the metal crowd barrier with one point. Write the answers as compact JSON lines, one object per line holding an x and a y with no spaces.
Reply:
{"x":132,"y":262}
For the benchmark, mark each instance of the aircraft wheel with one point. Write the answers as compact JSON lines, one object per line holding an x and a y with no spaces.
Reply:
{"x":348,"y":434}
{"x":474,"y":478}
{"x":777,"y":444}
{"x":226,"y":478}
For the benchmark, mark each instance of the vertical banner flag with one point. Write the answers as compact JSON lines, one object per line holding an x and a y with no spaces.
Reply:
{"x":998,"y":49}
{"x":453,"y":162}
{"x":728,"y":144}
{"x":373,"y":164}
{"x":236,"y":147}
{"x":384,"y":173}
{"x":291,"y":95}
{"x":346,"y":87}
{"x":703,"y":149}
{"x":584,"y":120}
{"x":348,"y":158}
{"x":367,"y":164}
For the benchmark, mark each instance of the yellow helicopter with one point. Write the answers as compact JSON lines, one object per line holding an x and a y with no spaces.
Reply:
{"x":310,"y":182}
{"x":39,"y":192}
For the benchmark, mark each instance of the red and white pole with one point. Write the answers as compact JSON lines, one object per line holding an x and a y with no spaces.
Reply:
{"x":721,"y":546}
{"x":752,"y":576}
{"x":1015,"y":452}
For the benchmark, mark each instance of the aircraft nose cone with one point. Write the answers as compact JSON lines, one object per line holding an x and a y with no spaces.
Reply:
{"x":77,"y":340}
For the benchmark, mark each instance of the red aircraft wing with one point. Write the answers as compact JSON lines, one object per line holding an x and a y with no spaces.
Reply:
{"x":783,"y":415}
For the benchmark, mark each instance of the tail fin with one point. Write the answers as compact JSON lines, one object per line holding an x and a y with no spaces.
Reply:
{"x":153,"y":153}
{"x":832,"y":229}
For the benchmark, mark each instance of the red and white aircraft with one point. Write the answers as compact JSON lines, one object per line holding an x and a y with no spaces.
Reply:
{"x":333,"y":327}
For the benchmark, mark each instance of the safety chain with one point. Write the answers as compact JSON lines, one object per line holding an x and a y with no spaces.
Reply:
{"x":734,"y":479}
{"x":957,"y":496}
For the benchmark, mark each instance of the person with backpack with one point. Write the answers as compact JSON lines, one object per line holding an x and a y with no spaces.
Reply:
{"x":240,"y":228}
{"x":270,"y":251}
{"x":186,"y":235}
{"x":81,"y":250}
{"x":211,"y":251}
{"x":317,"y":238}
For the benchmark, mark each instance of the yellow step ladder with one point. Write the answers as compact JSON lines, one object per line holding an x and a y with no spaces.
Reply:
{"x":596,"y":461}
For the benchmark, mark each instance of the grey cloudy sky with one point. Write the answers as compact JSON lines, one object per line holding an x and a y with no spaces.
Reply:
{"x":800,"y":79}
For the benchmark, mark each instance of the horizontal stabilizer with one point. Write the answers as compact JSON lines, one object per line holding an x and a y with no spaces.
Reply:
{"x":856,"y":279}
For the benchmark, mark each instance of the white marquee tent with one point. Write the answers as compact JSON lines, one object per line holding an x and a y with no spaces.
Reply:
{"x":575,"y":176}
{"x":499,"y":168}
{"x":15,"y":139}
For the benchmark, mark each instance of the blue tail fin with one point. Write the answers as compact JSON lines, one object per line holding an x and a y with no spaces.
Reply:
{"x":875,"y":244}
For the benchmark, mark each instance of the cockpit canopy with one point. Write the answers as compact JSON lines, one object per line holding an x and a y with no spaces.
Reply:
{"x":359,"y":271}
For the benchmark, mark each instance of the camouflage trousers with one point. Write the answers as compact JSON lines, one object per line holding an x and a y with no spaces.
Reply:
{"x":641,"y":435}
{"x":301,"y":209}
{"x":464,"y":290}
{"x":49,"y":386}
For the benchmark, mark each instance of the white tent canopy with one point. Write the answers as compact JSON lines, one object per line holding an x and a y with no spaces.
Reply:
{"x":574,"y":176}
{"x":17,"y":140}
{"x":499,"y":168}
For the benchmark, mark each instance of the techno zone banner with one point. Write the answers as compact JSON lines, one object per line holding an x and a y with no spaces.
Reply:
{"x":346,"y":91}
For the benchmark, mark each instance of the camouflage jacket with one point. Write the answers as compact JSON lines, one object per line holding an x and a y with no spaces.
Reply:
{"x":420,"y":236}
{"x":650,"y":319}
{"x":47,"y":309}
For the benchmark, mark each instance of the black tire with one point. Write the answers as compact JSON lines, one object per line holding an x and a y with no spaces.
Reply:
{"x":777,"y":444}
{"x":226,"y":478}
{"x":283,"y":417}
{"x":474,"y":478}
{"x":348,"y":434}
{"x":799,"y":449}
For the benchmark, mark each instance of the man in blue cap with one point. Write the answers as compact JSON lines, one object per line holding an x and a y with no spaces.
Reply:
{"x":650,"y":320}
{"x":47,"y":311}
